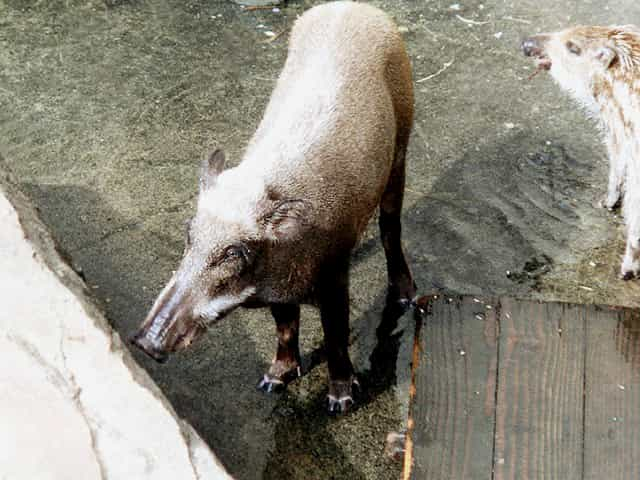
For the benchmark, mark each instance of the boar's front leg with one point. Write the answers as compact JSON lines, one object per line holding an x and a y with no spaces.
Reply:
{"x":286,"y":364}
{"x":333,"y":297}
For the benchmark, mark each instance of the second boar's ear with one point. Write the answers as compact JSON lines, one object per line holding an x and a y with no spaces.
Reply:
{"x":211,"y":168}
{"x":284,"y":219}
{"x":606,"y":55}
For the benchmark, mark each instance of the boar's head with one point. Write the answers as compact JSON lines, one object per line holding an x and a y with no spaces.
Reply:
{"x":581,"y":57}
{"x":225,"y":263}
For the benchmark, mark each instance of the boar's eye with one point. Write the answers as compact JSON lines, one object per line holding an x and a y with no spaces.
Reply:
{"x":235,"y":252}
{"x":573,"y":48}
{"x":231,"y":254}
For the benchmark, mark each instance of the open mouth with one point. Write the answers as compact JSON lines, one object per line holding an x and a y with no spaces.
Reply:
{"x":534,"y":47}
{"x":543,"y":62}
{"x":188,"y":337}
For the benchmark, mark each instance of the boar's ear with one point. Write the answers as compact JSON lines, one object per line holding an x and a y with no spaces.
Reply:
{"x":606,"y":55}
{"x":284,"y":219}
{"x":211,"y":168}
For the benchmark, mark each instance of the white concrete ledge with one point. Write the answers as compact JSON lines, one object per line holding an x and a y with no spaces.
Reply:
{"x":73,"y":402}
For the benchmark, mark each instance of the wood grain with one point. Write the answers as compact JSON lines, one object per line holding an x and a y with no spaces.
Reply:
{"x":612,"y":414}
{"x":453,"y":409}
{"x":540,"y":391}
{"x":526,"y":390}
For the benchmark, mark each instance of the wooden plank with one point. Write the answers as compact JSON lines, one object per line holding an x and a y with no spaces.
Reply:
{"x":454,"y":404}
{"x":612,"y":413}
{"x":539,"y":411}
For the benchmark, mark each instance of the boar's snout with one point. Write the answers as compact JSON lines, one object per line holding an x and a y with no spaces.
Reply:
{"x":534,"y":46}
{"x":169,"y":326}
{"x":141,"y":341}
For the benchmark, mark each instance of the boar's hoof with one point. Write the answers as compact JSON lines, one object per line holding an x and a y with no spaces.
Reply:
{"x":613,"y":206}
{"x":394,"y":447}
{"x":340,"y":398}
{"x":339,"y":406}
{"x":627,"y":275}
{"x":272,"y":383}
{"x":396,"y":306}
{"x":630,"y":268}
{"x":402,"y":293}
{"x":612,"y":201}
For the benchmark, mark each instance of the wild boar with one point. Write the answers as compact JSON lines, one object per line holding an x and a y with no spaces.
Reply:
{"x":600,"y":67}
{"x":278,"y":229}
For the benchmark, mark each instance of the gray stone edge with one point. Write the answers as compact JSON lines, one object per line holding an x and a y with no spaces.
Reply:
{"x":54,"y":257}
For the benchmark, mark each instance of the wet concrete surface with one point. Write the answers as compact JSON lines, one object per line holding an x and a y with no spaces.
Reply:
{"x":105,"y":113}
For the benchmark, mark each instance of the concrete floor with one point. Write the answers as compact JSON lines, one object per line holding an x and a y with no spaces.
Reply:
{"x":105,"y":113}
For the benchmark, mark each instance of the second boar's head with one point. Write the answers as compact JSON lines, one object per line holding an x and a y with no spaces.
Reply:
{"x":237,"y":222}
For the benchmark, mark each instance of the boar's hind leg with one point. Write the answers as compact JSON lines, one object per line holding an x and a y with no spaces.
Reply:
{"x":401,"y":285}
{"x":286,"y":364}
{"x":333,"y":297}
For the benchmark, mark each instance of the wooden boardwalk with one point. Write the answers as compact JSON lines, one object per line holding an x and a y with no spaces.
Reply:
{"x":509,"y":389}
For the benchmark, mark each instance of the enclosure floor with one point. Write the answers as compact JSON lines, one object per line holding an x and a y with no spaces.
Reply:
{"x":107,"y":109}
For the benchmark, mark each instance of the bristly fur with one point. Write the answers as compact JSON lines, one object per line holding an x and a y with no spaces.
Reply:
{"x":627,"y":45}
{"x":602,"y":71}
{"x":625,"y":40}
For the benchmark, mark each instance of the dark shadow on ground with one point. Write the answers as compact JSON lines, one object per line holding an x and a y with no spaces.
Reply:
{"x":499,"y":217}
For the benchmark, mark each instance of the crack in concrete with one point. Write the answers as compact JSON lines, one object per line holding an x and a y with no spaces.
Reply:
{"x":65,"y":384}
{"x":53,"y":374}
{"x":76,"y":398}
{"x":187,"y":437}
